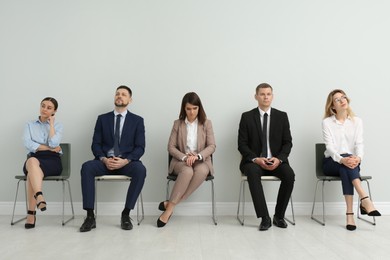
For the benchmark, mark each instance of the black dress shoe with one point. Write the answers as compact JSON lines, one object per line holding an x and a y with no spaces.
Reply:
{"x":279,"y":222}
{"x":89,"y":223}
{"x":126,"y":222}
{"x":265,"y":223}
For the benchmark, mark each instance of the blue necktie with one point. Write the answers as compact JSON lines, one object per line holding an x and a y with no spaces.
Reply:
{"x":116,"y":135}
{"x":264,"y":151}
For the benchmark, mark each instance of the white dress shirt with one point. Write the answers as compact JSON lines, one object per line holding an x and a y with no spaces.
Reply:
{"x":342,"y":138}
{"x":192,"y":136}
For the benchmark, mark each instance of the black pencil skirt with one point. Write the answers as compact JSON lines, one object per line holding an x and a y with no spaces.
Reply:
{"x":50,"y":163}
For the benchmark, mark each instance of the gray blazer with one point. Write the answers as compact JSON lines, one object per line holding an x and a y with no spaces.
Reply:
{"x":178,"y":140}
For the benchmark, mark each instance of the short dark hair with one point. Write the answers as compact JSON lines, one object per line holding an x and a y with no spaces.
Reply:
{"x":263,"y":85}
{"x":193,"y":99}
{"x":52,"y":100}
{"x":125,"y":87}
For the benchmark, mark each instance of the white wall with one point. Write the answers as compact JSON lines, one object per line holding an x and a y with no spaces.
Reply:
{"x":80,"y":51}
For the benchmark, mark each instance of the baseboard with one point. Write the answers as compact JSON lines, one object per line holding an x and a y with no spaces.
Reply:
{"x":189,"y":208}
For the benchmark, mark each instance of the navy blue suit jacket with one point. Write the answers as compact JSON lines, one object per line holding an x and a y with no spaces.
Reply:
{"x":132,"y":141}
{"x":250,"y":132}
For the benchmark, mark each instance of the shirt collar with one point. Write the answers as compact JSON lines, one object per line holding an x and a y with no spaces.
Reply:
{"x":124,"y":113}
{"x":188,"y":122}
{"x":333,"y":117}
{"x":263,"y":112}
{"x":40,"y":122}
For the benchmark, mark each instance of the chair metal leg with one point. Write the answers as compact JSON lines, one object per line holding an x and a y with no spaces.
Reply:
{"x":358,"y":207}
{"x":139,"y":219}
{"x":96,"y":199}
{"x":242,"y":193}
{"x":63,"y":203}
{"x":16,"y":197}
{"x":323,"y":204}
{"x":213,"y":203}
{"x":292,"y":222}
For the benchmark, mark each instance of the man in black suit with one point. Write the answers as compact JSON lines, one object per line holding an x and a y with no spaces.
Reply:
{"x":265,"y":152}
{"x":118,"y":144}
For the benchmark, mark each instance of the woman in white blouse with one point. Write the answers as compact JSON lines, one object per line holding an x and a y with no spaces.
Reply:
{"x":343,"y":137}
{"x":191,"y":145}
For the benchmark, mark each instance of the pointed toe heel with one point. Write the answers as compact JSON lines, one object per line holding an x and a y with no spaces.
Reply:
{"x":161,"y":206}
{"x":363,"y":211}
{"x":160,"y":223}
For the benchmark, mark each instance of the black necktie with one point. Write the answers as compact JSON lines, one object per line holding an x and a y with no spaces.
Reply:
{"x":264,"y":151}
{"x":116,"y":135}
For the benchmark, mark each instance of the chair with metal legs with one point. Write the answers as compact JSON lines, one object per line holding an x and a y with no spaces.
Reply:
{"x":210,"y":178}
{"x":321,"y":177}
{"x":241,"y":199}
{"x":120,"y":178}
{"x":64,"y":178}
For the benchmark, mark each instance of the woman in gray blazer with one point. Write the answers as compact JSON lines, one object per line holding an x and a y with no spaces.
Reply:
{"x":191,"y":145}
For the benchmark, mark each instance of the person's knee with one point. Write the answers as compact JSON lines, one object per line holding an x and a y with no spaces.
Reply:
{"x":139,"y":170}
{"x":32,"y":162}
{"x":187,"y":171}
{"x":86,"y":168}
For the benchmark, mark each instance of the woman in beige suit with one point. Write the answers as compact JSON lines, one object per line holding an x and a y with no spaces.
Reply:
{"x":191,"y":144}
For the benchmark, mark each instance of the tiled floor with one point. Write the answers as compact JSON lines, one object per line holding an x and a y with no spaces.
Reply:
{"x":194,"y":238}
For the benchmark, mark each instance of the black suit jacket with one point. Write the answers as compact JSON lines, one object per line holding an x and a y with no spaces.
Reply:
{"x":250,"y":132}
{"x":132,"y":141}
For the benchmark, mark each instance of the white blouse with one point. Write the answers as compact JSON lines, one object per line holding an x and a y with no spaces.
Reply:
{"x":341,"y":138}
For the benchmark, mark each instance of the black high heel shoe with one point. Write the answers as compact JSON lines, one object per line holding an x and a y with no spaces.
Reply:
{"x":29,"y":225}
{"x":350,"y":227}
{"x":161,"y":206}
{"x":160,"y":223}
{"x":363,"y":211}
{"x":42,"y":204}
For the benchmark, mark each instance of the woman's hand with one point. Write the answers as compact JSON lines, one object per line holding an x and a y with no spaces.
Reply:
{"x":351,"y":161}
{"x":191,"y":159}
{"x":56,"y":149}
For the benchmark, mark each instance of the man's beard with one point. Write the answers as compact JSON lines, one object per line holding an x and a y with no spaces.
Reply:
{"x":120,"y":104}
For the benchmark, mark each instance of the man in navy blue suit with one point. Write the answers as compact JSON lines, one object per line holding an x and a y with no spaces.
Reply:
{"x":118,"y":144}
{"x":265,"y":142}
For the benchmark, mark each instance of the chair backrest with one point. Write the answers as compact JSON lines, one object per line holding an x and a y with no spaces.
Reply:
{"x":320,"y":149}
{"x":65,"y":159}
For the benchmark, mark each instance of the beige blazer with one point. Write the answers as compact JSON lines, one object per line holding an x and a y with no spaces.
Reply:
{"x":178,"y":140}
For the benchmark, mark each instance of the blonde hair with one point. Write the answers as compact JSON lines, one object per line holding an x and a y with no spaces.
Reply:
{"x":329,"y":111}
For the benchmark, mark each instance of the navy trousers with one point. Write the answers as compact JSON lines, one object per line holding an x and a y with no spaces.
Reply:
{"x":136,"y":170}
{"x":347,"y":175}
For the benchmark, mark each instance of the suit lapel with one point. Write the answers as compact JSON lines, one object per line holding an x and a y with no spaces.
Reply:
{"x":272,"y":123}
{"x":126,"y":125}
{"x":111,"y":123}
{"x":200,"y":139}
{"x":256,"y":115}
{"x":183,"y":140}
